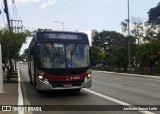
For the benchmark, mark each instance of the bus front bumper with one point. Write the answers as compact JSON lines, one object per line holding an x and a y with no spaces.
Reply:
{"x":41,"y":85}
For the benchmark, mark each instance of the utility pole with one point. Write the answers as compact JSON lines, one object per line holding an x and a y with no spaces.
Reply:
{"x":7,"y":13}
{"x":16,"y":25}
{"x":129,"y":55}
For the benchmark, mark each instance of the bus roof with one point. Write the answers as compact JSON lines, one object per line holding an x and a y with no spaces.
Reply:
{"x":50,"y":30}
{"x":48,"y":35}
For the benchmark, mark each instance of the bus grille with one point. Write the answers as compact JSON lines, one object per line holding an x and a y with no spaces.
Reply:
{"x":60,"y":84}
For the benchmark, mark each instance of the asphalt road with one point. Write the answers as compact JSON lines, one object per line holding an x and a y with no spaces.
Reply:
{"x":107,"y":89}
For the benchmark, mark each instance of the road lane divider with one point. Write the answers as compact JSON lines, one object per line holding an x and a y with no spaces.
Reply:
{"x":24,"y":93}
{"x":20,"y":96}
{"x":115,"y":100}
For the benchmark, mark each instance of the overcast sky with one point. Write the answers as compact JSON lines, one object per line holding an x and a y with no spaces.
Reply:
{"x":77,"y":15}
{"x":81,"y":15}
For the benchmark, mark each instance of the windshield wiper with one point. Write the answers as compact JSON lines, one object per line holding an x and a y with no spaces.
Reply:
{"x":73,"y":50}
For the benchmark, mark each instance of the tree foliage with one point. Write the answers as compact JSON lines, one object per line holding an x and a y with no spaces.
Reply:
{"x":119,"y":57}
{"x":97,"y":55}
{"x":154,"y":14}
{"x":110,"y":48}
{"x":147,"y":50}
{"x":11,"y":44}
{"x":108,"y":40}
{"x":137,"y":29}
{"x":124,"y":25}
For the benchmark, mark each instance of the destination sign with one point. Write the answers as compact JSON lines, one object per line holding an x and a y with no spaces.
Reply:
{"x":50,"y":36}
{"x":61,"y":36}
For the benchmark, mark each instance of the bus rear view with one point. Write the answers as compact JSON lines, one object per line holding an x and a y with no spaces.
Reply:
{"x":59,"y":60}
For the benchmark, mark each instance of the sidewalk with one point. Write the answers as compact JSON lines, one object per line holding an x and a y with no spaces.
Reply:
{"x":10,"y":95}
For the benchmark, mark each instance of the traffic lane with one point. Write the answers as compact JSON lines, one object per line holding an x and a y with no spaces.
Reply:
{"x":134,"y":92}
{"x":102,"y":83}
{"x":129,"y":81}
{"x":32,"y":97}
{"x":148,"y":84}
{"x":59,"y":97}
{"x":130,"y":78}
{"x":69,"y":98}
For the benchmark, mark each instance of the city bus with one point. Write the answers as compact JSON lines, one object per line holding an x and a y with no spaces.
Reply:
{"x":59,"y":60}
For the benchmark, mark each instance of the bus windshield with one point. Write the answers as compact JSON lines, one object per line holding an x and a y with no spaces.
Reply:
{"x":67,"y":55}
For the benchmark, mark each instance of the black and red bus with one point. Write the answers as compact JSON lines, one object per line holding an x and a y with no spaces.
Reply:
{"x":59,"y":60}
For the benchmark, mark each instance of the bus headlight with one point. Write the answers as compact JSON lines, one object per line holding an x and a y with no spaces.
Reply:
{"x":40,"y":77}
{"x":89,"y":75}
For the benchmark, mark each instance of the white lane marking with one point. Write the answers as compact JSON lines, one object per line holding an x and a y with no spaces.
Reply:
{"x":114,"y":100}
{"x":116,"y":84}
{"x":138,"y":75}
{"x":20,"y":97}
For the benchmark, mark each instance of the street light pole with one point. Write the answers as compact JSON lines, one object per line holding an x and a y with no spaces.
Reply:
{"x":60,"y":23}
{"x":129,"y":55}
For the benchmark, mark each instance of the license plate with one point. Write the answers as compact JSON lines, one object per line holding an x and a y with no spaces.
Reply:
{"x":67,"y":85}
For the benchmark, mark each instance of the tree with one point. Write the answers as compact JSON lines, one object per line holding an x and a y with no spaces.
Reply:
{"x":11,"y":44}
{"x":119,"y":57}
{"x":97,"y":55}
{"x":137,"y":29}
{"x":148,"y":54}
{"x":108,"y":40}
{"x":110,"y":48}
{"x":124,"y":25}
{"x":154,"y":14}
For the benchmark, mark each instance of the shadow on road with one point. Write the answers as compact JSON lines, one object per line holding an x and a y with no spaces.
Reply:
{"x":52,"y":97}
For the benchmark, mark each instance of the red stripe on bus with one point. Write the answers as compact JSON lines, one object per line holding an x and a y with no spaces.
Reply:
{"x":55,"y":78}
